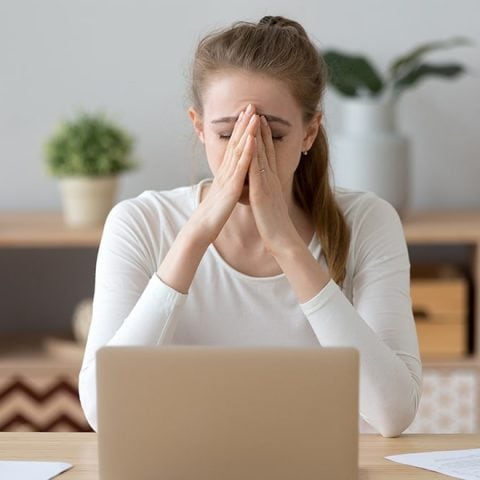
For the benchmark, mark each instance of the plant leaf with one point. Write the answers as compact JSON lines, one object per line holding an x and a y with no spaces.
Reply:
{"x":351,"y":74}
{"x":414,"y":55}
{"x":424,"y":69}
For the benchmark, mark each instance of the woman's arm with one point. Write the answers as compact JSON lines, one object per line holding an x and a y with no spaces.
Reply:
{"x":379,"y":323}
{"x":132,"y":305}
{"x":134,"y":301}
{"x":134,"y":298}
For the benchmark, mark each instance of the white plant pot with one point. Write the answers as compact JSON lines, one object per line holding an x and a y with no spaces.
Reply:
{"x":87,"y":200}
{"x":369,"y":154}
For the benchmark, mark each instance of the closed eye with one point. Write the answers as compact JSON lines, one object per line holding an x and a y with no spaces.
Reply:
{"x":226,"y":137}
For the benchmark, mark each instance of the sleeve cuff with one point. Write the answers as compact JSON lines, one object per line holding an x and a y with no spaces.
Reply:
{"x":166,"y":292}
{"x":321,"y":298}
{"x":151,"y":321}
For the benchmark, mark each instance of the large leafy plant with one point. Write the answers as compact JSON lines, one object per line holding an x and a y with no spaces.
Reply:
{"x":90,"y":144}
{"x":355,"y":76}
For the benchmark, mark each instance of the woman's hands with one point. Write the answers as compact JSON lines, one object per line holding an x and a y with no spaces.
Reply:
{"x":181,"y":262}
{"x":250,"y":154}
{"x":267,"y":199}
{"x":275,"y":225}
{"x":228,"y":182}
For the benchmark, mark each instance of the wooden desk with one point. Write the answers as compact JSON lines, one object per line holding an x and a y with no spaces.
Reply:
{"x":80,"y":449}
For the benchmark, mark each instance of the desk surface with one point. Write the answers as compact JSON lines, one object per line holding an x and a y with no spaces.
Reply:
{"x":80,"y":449}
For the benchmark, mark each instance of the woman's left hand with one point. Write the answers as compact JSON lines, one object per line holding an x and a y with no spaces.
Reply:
{"x":267,"y":199}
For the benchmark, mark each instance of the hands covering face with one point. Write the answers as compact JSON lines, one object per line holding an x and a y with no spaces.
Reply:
{"x":252,"y":141}
{"x":248,"y":175}
{"x":265,"y":193}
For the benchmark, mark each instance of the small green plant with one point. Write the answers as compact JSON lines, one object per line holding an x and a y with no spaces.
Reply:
{"x":90,"y":144}
{"x":355,"y":76}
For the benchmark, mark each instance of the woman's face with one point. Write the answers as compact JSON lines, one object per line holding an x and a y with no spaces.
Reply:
{"x":227,"y":94}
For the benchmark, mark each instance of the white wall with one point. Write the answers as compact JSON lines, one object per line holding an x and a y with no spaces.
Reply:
{"x":131,"y":57}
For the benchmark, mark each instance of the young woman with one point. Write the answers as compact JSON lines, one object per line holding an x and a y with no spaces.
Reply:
{"x":265,"y":252}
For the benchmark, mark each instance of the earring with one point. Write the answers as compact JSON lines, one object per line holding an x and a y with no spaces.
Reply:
{"x":305,"y":152}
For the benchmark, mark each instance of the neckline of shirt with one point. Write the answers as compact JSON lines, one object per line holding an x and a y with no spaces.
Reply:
{"x":196,"y":201}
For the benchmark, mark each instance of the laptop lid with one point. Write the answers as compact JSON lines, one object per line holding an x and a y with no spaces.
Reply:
{"x":217,"y":413}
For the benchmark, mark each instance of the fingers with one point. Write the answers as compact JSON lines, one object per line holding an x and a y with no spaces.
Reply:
{"x":256,"y":165}
{"x":243,"y":127}
{"x":240,"y":125}
{"x":246,"y":156}
{"x":237,"y":156}
{"x":267,"y":144}
{"x":250,"y":129}
{"x":262,"y":160}
{"x":265,"y":152}
{"x":246,"y":126}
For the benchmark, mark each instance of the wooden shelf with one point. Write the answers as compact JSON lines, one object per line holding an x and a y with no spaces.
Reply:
{"x":451,"y":362}
{"x":450,"y":227}
{"x":39,"y":351}
{"x":47,"y":229}
{"x":43,"y":230}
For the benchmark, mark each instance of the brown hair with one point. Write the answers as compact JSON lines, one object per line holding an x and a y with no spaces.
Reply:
{"x":280,"y":48}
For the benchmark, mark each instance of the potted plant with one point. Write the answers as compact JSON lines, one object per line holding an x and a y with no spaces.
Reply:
{"x":88,"y":153}
{"x":368,"y":153}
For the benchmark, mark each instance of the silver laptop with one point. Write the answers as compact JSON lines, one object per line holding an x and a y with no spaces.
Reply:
{"x":217,"y":413}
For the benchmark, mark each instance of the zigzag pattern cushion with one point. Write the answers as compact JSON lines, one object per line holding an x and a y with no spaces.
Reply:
{"x":41,"y":402}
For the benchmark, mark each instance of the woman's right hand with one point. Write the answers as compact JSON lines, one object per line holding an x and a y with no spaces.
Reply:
{"x":181,"y":262}
{"x":228,"y":183}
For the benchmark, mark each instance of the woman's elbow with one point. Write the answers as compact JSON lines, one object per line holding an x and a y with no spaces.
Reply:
{"x":397,"y":417}
{"x":87,"y":397}
{"x":394,"y":427}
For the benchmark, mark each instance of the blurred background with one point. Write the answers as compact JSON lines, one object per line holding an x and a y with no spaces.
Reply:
{"x":131,"y":58}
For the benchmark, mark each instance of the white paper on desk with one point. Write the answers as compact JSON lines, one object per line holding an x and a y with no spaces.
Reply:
{"x":461,"y":464}
{"x":31,"y":470}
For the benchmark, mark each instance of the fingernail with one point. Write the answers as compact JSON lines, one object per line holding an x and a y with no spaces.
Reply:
{"x":264,"y":120}
{"x":249,"y":108}
{"x":252,"y":119}
{"x":240,"y":116}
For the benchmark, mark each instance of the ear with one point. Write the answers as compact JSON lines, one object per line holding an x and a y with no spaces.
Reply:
{"x":197,"y":122}
{"x":311,"y":131}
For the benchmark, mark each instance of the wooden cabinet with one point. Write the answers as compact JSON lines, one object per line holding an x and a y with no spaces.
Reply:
{"x":440,"y":306}
{"x":457,"y":229}
{"x":450,"y":400}
{"x":39,"y":373}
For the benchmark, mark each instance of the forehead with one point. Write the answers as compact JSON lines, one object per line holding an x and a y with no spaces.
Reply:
{"x":228,"y":93}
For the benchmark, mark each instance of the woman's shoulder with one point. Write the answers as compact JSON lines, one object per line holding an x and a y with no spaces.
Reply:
{"x":375,"y":227}
{"x":175,"y":202}
{"x":181,"y":197}
{"x":358,"y":206}
{"x":153,"y":210}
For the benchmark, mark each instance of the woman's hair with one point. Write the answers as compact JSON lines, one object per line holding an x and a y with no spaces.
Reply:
{"x":280,"y":48}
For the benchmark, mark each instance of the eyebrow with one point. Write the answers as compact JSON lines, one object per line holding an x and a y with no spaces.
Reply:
{"x":270,"y":118}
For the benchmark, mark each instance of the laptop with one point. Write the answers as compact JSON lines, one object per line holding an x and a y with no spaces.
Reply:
{"x":223,"y":413}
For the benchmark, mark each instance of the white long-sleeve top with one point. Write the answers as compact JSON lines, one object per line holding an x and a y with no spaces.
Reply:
{"x":371,"y":312}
